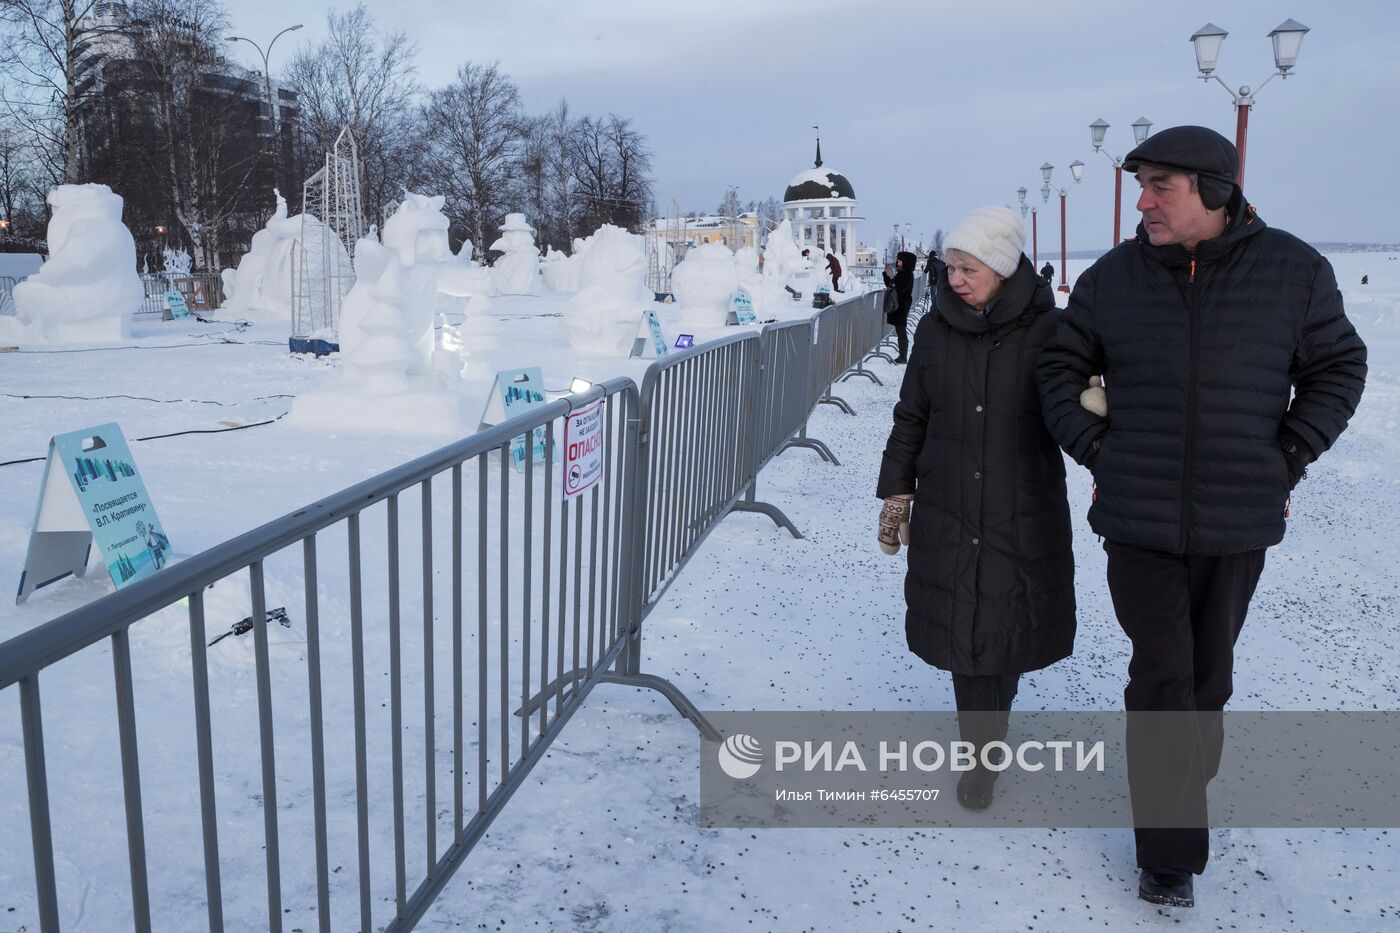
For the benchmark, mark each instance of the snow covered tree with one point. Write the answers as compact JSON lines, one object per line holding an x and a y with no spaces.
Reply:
{"x":474,"y":131}
{"x":366,"y":80}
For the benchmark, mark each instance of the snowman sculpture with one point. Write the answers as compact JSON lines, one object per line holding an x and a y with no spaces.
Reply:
{"x":518,"y":271}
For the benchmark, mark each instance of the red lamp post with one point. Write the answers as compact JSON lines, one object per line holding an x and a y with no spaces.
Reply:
{"x":1076,"y":169}
{"x":1287,"y":39}
{"x":1097,"y":130}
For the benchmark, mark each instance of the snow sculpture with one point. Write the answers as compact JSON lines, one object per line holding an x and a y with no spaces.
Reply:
{"x":260,"y":289}
{"x":559,"y":271}
{"x":389,"y":379}
{"x":782,"y":257}
{"x":702,"y":284}
{"x":746,"y":261}
{"x":417,"y":235}
{"x":175,"y":262}
{"x":604,"y":316}
{"x":478,"y":337}
{"x":518,"y":271}
{"x":89,"y":287}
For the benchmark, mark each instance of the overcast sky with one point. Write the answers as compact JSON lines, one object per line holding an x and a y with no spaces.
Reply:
{"x":931,"y":108}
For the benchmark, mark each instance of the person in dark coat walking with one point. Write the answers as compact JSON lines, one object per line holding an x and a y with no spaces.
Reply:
{"x":1202,"y":328}
{"x":990,"y":587}
{"x":902,"y":283}
{"x":1047,"y":272}
{"x":833,"y":265}
{"x":934,"y":266}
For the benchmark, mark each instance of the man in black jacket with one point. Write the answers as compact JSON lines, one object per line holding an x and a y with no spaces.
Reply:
{"x":1200,"y":327}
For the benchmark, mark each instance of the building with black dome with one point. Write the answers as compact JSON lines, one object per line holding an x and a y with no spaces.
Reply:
{"x":820,"y":204}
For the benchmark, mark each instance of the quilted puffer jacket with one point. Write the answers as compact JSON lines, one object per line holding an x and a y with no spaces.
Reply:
{"x":1228,"y":369}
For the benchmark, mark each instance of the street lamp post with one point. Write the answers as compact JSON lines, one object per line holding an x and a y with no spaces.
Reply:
{"x":1076,"y":170}
{"x":1097,"y":130}
{"x":1035,"y":247}
{"x":267,"y":77}
{"x":1287,"y":38}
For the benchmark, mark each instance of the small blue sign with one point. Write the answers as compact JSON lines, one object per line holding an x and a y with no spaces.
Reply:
{"x":522,"y":390}
{"x":176,"y":303}
{"x":658,"y":339}
{"x":92,"y":491}
{"x":742,"y":306}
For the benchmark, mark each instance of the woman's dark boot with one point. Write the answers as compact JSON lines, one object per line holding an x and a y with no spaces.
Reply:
{"x":975,"y":786}
{"x":984,"y":705}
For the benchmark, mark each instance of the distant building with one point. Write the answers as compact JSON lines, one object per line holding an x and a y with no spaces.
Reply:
{"x":117,"y":136}
{"x":821,"y":206}
{"x":733,"y":232}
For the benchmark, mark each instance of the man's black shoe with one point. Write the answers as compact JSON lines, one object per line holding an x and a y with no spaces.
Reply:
{"x":900,"y":360}
{"x":1169,"y":886}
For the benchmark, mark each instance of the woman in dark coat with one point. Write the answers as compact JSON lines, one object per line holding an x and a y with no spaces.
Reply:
{"x":990,"y":587}
{"x":903,"y":284}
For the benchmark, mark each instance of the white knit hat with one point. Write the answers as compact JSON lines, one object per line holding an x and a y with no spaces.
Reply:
{"x":995,"y":235}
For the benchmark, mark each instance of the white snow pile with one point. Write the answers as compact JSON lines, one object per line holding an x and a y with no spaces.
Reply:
{"x":702,"y":283}
{"x":518,"y":271}
{"x":89,"y":288}
{"x":394,"y":376}
{"x":559,"y":270}
{"x":782,"y":257}
{"x":260,"y":288}
{"x":604,"y":316}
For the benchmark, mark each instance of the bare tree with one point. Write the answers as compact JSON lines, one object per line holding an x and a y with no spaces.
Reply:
{"x":938,"y":241}
{"x":364,"y":80}
{"x":198,"y":154}
{"x":42,"y":52}
{"x":474,"y":131}
{"x":562,"y":201}
{"x":611,"y":166}
{"x":17,"y":182}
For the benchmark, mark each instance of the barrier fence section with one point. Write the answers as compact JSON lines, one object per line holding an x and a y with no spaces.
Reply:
{"x":7,"y":293}
{"x":202,"y":291}
{"x":546,"y":583}
{"x":560,"y":588}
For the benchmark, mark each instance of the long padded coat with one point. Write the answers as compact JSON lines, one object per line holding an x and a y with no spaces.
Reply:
{"x":990,"y":587}
{"x":1199,"y":352}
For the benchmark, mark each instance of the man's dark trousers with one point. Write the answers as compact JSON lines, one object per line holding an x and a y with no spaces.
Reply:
{"x":1183,"y":614}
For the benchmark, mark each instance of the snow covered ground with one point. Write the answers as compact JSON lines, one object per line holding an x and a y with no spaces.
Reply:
{"x":603,"y":835}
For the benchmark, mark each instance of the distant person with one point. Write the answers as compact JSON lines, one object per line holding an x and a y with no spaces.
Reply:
{"x":990,"y":588}
{"x":833,"y":265}
{"x":1229,"y":366}
{"x":934,"y":267}
{"x":1365,"y":280}
{"x":1047,"y":272}
{"x":901,"y":285}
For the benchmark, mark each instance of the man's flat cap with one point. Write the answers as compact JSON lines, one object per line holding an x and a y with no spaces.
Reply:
{"x":1192,"y":149}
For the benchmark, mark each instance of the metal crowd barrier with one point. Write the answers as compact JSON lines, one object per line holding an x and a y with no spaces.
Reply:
{"x":202,"y":291}
{"x":561,"y":589}
{"x":551,"y":589}
{"x":7,"y":293}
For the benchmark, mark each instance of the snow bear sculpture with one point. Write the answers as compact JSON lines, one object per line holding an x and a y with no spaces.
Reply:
{"x":89,"y":288}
